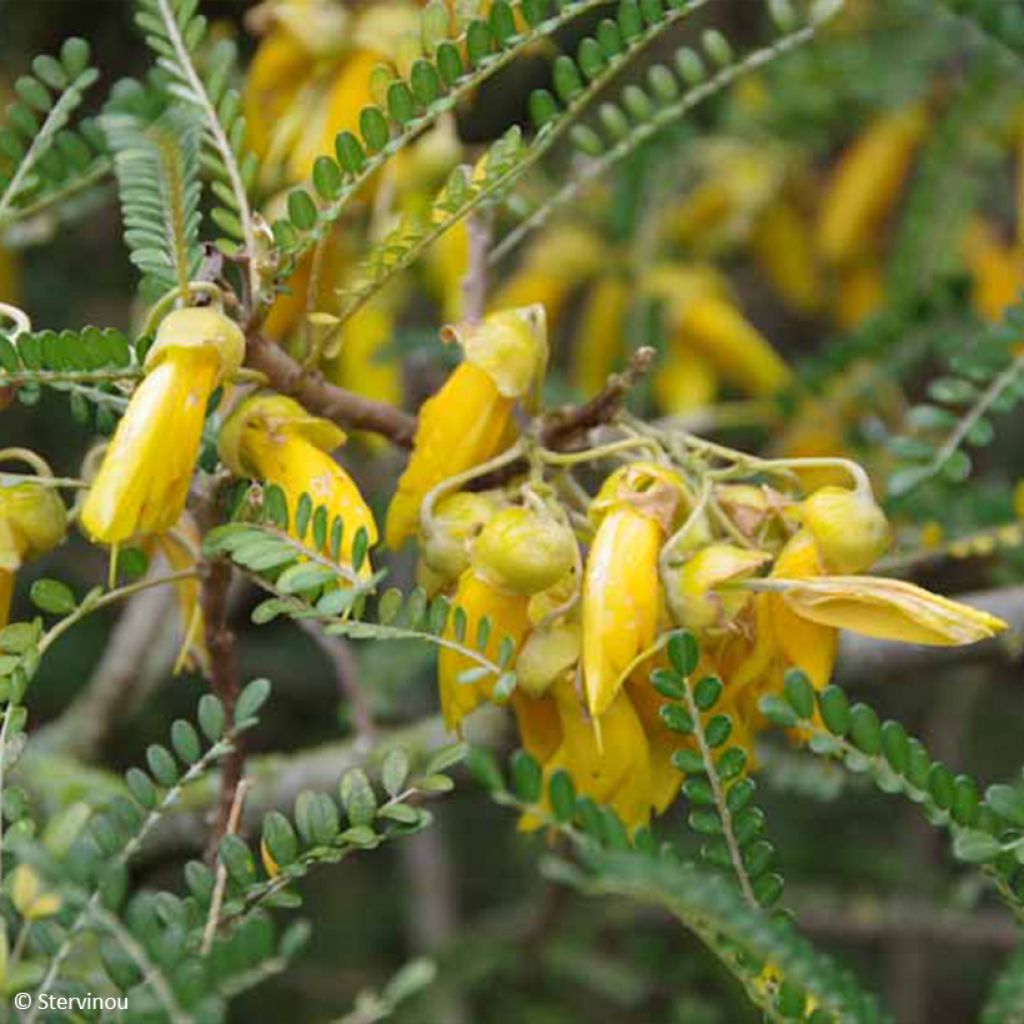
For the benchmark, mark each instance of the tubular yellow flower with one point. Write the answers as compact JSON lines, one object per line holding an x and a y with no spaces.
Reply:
{"x":783,"y":247}
{"x":508,"y":617}
{"x":598,"y":346}
{"x":718,"y":331}
{"x":180,"y":547}
{"x":469,"y":420}
{"x":621,"y":590}
{"x":143,"y":481}
{"x":867,"y":182}
{"x":686,"y":382}
{"x":273,"y":438}
{"x":32,"y":521}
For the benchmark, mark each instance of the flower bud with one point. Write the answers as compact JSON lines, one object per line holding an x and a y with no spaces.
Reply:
{"x":547,"y":654}
{"x":32,"y":521}
{"x":849,"y":529}
{"x":457,"y":520}
{"x":199,"y":327}
{"x":696,"y":591}
{"x":523,"y":551}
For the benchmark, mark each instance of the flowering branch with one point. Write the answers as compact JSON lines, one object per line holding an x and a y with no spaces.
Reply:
{"x":319,"y":396}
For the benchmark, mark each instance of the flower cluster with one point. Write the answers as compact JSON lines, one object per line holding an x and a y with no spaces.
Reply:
{"x":590,"y":586}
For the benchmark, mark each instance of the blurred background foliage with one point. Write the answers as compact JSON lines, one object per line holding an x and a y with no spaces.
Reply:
{"x":867,"y":877}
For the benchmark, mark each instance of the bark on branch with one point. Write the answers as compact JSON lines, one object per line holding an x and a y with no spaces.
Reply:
{"x":322,"y":398}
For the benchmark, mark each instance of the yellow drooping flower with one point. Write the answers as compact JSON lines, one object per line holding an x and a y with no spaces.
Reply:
{"x":312,"y":76}
{"x":621,"y":595}
{"x":32,"y":521}
{"x":272,"y":438}
{"x":859,"y":293}
{"x":601,"y":333}
{"x":143,"y":481}
{"x":867,"y":183}
{"x":180,"y":548}
{"x":782,"y":244}
{"x":470,"y":419}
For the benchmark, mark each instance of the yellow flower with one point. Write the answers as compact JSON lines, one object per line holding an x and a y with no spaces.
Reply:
{"x":143,"y":481}
{"x":621,"y":590}
{"x":716,"y":330}
{"x":867,"y":182}
{"x":540,"y":726}
{"x":273,"y":438}
{"x":547,"y":654}
{"x":508,"y":617}
{"x":32,"y":521}
{"x":311,"y":77}
{"x":783,"y":247}
{"x":469,"y":421}
{"x":180,"y":548}
{"x":601,"y":333}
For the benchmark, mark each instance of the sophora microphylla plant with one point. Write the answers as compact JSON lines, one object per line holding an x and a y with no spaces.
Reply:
{"x":624,"y":419}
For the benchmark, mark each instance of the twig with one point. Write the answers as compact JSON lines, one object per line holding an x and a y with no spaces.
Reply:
{"x":220,"y":642}
{"x":563,"y":426}
{"x":474,"y":283}
{"x":322,"y":398}
{"x":220,"y":885}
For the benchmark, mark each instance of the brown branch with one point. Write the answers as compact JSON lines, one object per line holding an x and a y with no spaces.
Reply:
{"x":224,"y":681}
{"x":563,"y":426}
{"x":474,"y":283}
{"x":322,"y":398}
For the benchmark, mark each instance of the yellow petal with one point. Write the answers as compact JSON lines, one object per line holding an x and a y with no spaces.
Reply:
{"x":540,"y":727}
{"x":620,"y":601}
{"x":783,"y":247}
{"x":888,"y":609}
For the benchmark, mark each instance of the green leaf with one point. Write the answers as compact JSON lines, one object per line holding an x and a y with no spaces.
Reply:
{"x":527,"y":777}
{"x":683,"y":652}
{"x":162,"y":765}
{"x":976,"y":847}
{"x":562,"y":795}
{"x":185,"y":741}
{"x":1007,"y":801}
{"x":799,"y":693}
{"x":394,"y":772}
{"x":211,"y":717}
{"x":251,"y":699}
{"x":358,"y":798}
{"x":707,"y":692}
{"x":53,"y":597}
